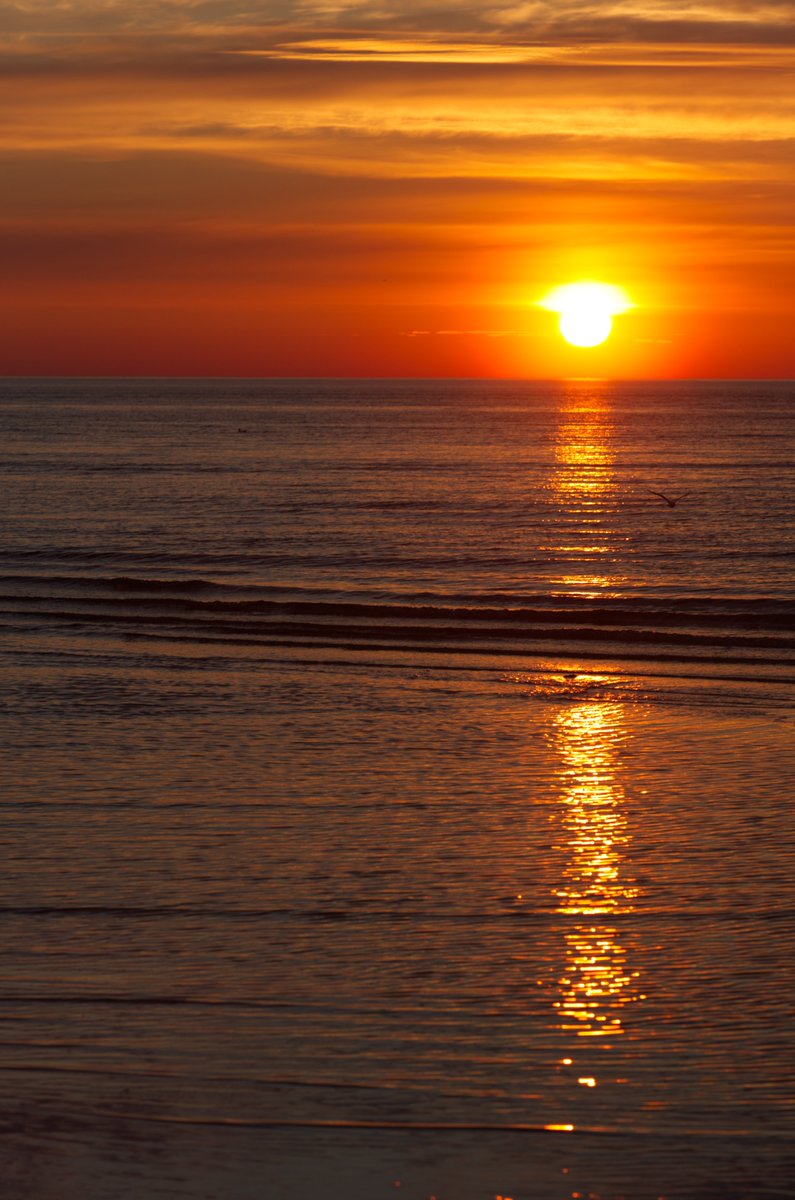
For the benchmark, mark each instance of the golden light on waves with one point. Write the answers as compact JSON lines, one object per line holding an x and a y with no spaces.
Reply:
{"x":583,"y":485}
{"x":598,"y":981}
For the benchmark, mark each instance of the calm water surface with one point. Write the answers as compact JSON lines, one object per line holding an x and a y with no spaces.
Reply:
{"x":399,"y":792}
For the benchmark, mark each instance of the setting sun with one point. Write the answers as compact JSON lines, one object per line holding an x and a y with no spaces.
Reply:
{"x":587,"y":311}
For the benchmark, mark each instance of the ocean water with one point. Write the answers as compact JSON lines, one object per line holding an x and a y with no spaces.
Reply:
{"x":398,"y":790}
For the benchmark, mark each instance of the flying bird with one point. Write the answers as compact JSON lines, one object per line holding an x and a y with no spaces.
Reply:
{"x":671,"y":501}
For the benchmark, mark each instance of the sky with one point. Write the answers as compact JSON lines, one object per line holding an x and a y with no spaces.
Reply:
{"x":391,"y":188}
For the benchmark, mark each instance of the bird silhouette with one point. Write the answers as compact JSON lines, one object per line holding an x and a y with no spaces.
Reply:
{"x":671,"y":501}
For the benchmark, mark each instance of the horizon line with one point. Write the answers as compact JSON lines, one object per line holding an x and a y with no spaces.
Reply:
{"x":427,"y":378}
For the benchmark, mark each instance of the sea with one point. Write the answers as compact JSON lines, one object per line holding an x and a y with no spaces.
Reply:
{"x":397,"y":790}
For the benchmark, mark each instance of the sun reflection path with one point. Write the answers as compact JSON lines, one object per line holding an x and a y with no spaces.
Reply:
{"x":598,"y":981}
{"x":583,"y":489}
{"x":583,"y":454}
{"x":594,"y":889}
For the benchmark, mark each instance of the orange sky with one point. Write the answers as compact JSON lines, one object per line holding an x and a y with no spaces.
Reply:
{"x":390,"y":187}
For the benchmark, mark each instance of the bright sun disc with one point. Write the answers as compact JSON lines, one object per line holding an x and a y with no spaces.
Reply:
{"x":587,"y":310}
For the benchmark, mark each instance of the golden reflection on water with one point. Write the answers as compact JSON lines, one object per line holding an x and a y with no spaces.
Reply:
{"x":583,"y":483}
{"x":584,"y":471}
{"x":597,"y":982}
{"x":594,"y":889}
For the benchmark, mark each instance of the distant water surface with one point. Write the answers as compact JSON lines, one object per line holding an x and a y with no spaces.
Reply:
{"x":399,"y":789}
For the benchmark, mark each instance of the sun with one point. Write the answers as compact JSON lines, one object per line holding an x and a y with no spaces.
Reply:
{"x":587,"y":310}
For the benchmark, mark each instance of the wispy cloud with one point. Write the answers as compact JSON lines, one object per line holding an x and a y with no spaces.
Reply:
{"x":478,"y":333}
{"x":221,"y":23}
{"x":395,"y":49}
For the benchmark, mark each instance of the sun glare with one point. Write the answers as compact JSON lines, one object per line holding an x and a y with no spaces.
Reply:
{"x":587,"y":310}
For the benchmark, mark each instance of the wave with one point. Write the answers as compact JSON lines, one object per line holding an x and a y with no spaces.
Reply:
{"x":724,"y":628}
{"x":398,"y":911}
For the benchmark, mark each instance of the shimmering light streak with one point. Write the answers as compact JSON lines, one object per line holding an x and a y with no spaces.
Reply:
{"x":594,"y":886}
{"x":597,"y":982}
{"x":582,"y":452}
{"x":583,"y":485}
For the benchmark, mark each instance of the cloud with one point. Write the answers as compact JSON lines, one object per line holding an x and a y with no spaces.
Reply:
{"x":396,"y":49}
{"x":480,"y":333}
{"x":206,"y":26}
